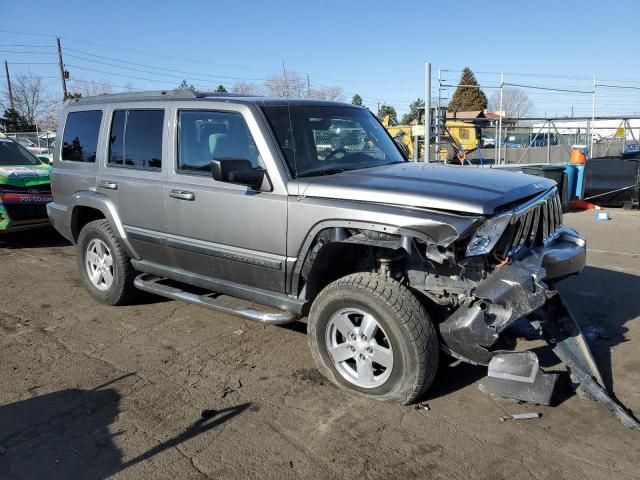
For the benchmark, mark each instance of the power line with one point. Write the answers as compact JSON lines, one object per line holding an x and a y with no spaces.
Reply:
{"x":146,"y":66}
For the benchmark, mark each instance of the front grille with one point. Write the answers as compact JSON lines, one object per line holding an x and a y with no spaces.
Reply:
{"x":534,"y":224}
{"x":26,"y":212}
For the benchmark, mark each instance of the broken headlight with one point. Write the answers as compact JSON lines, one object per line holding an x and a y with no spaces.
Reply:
{"x":486,"y":237}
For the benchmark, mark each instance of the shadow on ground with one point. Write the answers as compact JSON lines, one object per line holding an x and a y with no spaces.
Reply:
{"x":67,"y":434}
{"x":37,"y":238}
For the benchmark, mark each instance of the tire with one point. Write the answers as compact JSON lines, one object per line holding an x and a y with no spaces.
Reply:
{"x":403,"y":326}
{"x":120,"y":290}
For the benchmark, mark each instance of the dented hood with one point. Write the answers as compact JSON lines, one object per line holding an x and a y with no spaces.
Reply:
{"x":463,"y":189}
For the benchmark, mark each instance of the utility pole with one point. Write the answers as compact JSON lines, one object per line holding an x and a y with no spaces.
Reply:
{"x":308,"y":87}
{"x":62,"y":78}
{"x":6,"y":68}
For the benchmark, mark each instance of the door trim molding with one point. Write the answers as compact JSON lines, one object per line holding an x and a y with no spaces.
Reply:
{"x":258,"y":259}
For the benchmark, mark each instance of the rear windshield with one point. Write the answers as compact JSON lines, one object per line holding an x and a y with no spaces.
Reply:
{"x":323,"y":140}
{"x":12,"y":153}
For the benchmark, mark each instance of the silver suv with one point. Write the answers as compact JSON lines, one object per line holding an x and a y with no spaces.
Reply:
{"x":309,"y":208}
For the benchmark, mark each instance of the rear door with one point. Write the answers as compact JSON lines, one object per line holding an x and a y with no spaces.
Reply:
{"x":219,"y":229}
{"x":75,"y":164}
{"x":133,"y":174}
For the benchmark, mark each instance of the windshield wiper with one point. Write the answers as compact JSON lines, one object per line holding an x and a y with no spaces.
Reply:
{"x":325,"y":171}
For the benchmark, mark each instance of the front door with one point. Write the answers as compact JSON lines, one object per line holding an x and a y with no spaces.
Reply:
{"x":218,"y":229}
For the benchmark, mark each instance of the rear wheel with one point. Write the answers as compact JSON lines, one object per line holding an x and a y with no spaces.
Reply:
{"x":371,"y":335}
{"x":104,"y":266}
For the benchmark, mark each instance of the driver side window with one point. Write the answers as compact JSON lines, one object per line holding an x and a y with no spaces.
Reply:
{"x":204,"y":136}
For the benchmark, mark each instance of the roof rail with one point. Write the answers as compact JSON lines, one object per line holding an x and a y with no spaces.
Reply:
{"x":177,"y":93}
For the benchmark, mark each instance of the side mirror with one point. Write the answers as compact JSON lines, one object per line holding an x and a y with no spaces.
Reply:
{"x":238,"y":171}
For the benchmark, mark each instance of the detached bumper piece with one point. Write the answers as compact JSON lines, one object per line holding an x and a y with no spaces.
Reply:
{"x":517,"y":375}
{"x":515,"y":291}
{"x":562,"y":332}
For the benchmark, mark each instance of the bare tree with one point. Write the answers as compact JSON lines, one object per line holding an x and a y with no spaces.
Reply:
{"x":515,"y":102}
{"x":286,"y":84}
{"x":90,"y":88}
{"x":245,"y":88}
{"x":326,"y":93}
{"x":31,"y":99}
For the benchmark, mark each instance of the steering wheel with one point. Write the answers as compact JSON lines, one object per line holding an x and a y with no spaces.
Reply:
{"x":336,"y":152}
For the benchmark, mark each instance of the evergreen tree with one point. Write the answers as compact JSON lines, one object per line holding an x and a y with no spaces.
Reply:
{"x":186,"y":86}
{"x":357,"y":100}
{"x":467,"y":98}
{"x":14,"y":122}
{"x":221,"y":89}
{"x":415,"y":109}
{"x":390,"y":111}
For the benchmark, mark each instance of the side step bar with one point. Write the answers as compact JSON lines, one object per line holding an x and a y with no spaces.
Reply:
{"x":152,"y":284}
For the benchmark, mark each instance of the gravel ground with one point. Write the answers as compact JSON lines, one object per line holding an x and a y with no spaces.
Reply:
{"x":90,"y":391}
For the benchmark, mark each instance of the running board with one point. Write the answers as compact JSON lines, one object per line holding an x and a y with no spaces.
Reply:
{"x":152,"y":284}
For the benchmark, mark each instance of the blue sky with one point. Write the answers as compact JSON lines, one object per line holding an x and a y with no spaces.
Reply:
{"x":376,"y":49}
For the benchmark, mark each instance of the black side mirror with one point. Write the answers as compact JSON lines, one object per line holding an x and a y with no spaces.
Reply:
{"x":238,"y":171}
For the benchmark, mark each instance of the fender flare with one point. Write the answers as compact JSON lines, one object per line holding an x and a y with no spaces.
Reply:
{"x":106,"y":206}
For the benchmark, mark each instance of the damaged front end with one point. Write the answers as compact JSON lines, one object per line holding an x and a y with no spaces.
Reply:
{"x":520,"y":288}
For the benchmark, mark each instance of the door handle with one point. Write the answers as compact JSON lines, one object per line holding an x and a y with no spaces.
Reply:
{"x":108,"y":185}
{"x":182,"y":195}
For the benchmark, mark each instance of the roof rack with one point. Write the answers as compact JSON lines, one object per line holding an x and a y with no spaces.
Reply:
{"x":177,"y":93}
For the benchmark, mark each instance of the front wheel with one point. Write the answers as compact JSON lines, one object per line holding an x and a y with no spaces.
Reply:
{"x":371,"y":335}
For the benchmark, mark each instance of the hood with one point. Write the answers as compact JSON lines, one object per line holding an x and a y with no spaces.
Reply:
{"x":25,"y":175}
{"x":471,"y":190}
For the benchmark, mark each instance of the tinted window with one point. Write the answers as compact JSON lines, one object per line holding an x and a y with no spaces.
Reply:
{"x":136,"y":138}
{"x":80,"y":139}
{"x":203,"y":136}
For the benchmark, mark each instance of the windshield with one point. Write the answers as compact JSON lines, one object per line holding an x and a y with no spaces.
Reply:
{"x":321,"y":140}
{"x":12,"y":153}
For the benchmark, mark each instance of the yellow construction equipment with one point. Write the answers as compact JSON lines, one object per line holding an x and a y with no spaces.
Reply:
{"x":457,"y":138}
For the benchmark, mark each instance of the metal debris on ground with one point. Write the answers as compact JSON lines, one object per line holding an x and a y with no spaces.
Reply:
{"x":521,"y":416}
{"x":422,"y":406}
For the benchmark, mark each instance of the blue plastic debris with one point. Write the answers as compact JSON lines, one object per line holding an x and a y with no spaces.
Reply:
{"x":603,"y":216}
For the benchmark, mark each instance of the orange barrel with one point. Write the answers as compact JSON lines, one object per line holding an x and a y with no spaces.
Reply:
{"x":578,"y":155}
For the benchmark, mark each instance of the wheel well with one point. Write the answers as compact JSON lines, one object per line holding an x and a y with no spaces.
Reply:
{"x":335,"y":260}
{"x":81,"y":216}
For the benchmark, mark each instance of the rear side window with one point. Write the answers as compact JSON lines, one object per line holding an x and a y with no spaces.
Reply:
{"x":80,"y":139}
{"x":136,"y":139}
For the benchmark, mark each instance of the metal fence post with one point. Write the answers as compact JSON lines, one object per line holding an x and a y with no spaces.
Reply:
{"x":548,"y":141}
{"x":438,"y":116}
{"x":593,"y":115}
{"x":501,"y":112}
{"x":427,"y":112}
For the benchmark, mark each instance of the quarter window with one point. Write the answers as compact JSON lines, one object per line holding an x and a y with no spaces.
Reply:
{"x":205,"y":136}
{"x":135,"y":140}
{"x":80,"y":138}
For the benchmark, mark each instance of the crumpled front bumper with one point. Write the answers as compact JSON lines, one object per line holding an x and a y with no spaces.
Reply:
{"x":509,"y":293}
{"x":519,"y":290}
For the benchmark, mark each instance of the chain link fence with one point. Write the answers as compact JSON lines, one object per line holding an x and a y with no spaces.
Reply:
{"x":527,"y":141}
{"x":37,"y":143}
